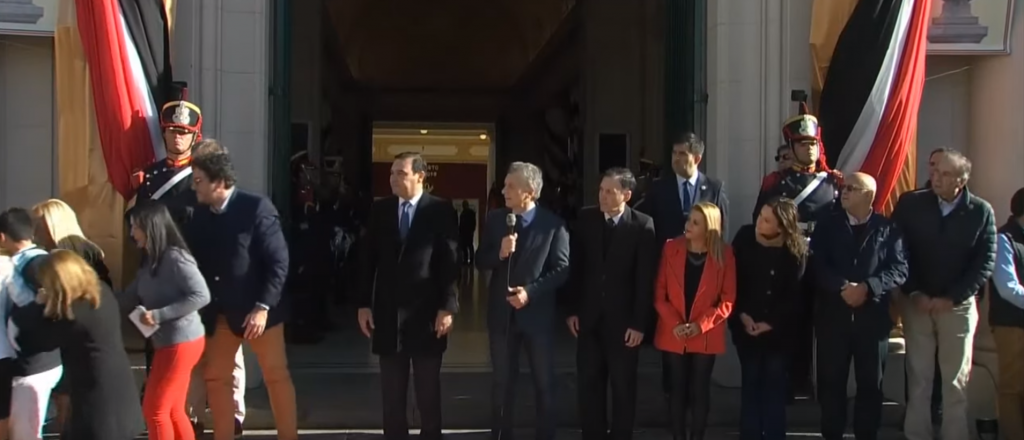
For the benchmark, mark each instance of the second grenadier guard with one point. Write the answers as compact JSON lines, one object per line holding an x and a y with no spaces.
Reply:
{"x":809,"y":182}
{"x":815,"y":189}
{"x":168,"y":179}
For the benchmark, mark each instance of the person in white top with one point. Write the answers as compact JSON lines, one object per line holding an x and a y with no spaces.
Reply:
{"x":6,"y":353}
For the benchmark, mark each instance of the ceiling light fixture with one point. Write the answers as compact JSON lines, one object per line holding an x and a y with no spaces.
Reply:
{"x":424,"y":131}
{"x":483,"y":136}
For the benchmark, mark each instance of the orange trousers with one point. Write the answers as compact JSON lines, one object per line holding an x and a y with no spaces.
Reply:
{"x":269,"y":349}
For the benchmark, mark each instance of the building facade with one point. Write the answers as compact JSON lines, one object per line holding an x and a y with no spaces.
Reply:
{"x":756,"y":54}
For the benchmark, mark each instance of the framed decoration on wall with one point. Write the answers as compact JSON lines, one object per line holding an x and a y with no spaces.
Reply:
{"x":970,"y":27}
{"x":28,"y":17}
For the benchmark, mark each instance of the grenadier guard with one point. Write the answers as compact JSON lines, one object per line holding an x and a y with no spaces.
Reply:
{"x":167,"y":179}
{"x":809,"y":182}
{"x":814,"y":188}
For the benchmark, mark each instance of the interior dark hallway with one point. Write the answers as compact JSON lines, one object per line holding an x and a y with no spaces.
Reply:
{"x":510,"y":64}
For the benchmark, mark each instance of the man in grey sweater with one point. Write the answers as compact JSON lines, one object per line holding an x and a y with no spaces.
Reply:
{"x":950,"y":237}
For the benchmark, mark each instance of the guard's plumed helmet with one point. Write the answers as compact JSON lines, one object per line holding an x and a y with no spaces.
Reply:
{"x":803,"y":128}
{"x":179,"y":113}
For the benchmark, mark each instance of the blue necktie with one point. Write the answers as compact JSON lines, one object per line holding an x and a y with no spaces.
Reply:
{"x":405,"y":221}
{"x":687,"y":199}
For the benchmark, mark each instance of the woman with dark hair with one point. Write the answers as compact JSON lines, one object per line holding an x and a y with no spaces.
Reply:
{"x":170,"y":291}
{"x":770,"y":260}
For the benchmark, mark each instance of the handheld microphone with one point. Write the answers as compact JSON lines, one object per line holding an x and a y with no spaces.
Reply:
{"x":510,"y":221}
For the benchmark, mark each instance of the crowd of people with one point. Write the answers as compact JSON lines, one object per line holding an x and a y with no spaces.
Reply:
{"x":811,"y":281}
{"x":212,"y":267}
{"x":804,"y":290}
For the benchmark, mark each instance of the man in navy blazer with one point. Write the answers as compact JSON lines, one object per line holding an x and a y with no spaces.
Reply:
{"x":527,"y":266}
{"x":670,"y":198}
{"x":240,"y":248}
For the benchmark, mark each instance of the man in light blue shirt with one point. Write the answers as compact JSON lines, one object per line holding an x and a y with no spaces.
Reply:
{"x":1006,"y":317}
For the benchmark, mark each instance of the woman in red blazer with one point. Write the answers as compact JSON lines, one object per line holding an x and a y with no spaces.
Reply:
{"x":694,"y":294}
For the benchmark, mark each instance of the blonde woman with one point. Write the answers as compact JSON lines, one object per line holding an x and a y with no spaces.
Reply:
{"x":694,"y":294}
{"x":57,"y":227}
{"x":79,"y":314}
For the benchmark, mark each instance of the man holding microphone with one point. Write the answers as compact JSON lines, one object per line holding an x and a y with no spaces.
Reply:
{"x":526,"y":248}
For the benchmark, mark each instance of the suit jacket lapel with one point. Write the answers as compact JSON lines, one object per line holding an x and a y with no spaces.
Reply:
{"x":619,"y":235}
{"x":421,"y":209}
{"x":526,"y":248}
{"x":671,"y":191}
{"x":391,"y":222}
{"x":703,"y":191}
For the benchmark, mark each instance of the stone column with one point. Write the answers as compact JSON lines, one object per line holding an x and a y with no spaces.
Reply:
{"x":20,"y":12}
{"x":957,"y":25}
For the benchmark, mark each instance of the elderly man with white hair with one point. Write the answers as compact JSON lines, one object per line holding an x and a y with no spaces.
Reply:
{"x":859,"y":258}
{"x":526,"y":249}
{"x":950,"y":237}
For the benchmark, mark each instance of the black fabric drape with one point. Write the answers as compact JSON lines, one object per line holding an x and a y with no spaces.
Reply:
{"x":146,"y":21}
{"x":855,"y":67}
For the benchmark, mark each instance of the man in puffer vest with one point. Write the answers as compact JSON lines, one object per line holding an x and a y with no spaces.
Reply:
{"x":1006,"y":317}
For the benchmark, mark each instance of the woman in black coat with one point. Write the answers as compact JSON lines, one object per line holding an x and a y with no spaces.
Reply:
{"x":57,"y":227}
{"x":770,"y":261}
{"x":80,"y":315}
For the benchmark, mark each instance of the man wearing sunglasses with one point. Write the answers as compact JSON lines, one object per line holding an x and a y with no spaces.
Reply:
{"x":783,"y":157}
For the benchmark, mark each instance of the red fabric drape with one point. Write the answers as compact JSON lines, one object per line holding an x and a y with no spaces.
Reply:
{"x":898,"y":129}
{"x":123,"y":130}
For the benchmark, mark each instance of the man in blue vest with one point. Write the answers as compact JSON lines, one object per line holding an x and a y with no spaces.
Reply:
{"x":1006,"y":317}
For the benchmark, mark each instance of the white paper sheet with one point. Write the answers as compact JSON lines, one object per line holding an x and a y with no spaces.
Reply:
{"x":136,"y":317}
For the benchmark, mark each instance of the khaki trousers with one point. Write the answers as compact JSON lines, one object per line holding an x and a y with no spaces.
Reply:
{"x":269,"y":349}
{"x":197,"y":388}
{"x":954,"y":331}
{"x":1010,"y":348}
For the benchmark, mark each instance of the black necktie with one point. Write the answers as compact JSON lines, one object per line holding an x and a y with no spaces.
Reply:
{"x":609,"y":229}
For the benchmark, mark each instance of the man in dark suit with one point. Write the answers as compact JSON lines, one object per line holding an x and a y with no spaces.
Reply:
{"x":612,"y":284}
{"x":670,"y":199}
{"x":408,"y":295}
{"x":528,"y":265}
{"x":240,"y":249}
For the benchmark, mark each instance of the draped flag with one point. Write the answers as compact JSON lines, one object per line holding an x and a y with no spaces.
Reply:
{"x":872,"y":92}
{"x":126,"y":46}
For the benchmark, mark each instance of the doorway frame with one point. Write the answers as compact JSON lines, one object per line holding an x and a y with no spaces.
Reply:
{"x":685,"y":89}
{"x":488,"y":128}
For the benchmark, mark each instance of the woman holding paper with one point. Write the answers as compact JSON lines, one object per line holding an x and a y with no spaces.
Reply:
{"x":167,"y":294}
